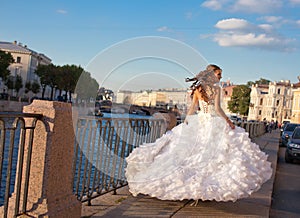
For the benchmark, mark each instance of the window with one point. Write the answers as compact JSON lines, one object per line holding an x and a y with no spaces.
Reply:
{"x":18,"y":59}
{"x":277,"y":103}
{"x":259,"y":112}
{"x":261,"y":101}
{"x":278,"y":91}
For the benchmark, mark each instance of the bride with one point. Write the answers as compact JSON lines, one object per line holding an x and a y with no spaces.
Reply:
{"x":205,"y":158}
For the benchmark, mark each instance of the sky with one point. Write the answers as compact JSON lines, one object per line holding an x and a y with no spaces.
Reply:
{"x":143,"y":44}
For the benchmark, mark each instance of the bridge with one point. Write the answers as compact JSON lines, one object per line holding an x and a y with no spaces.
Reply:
{"x":136,"y":109}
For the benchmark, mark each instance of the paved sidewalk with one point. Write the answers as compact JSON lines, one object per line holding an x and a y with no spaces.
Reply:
{"x":125,"y":205}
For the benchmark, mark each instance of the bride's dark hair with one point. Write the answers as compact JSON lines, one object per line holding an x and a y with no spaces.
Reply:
{"x":198,"y":84}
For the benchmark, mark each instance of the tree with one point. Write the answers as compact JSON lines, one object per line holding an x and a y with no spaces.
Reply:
{"x":5,"y":60}
{"x":34,"y":87}
{"x":14,"y":83}
{"x":18,"y":83}
{"x":86,"y":86}
{"x":240,"y":100}
{"x":261,"y":81}
{"x":48,"y":77}
{"x":71,"y":75}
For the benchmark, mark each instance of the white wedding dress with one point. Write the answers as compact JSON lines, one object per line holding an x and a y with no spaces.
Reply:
{"x":204,"y":159}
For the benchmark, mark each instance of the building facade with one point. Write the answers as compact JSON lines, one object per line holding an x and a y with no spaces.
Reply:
{"x":169,"y":98}
{"x":271,"y":102}
{"x":296,"y":103}
{"x":26,"y":62}
{"x":227,"y":89}
{"x":160,"y":98}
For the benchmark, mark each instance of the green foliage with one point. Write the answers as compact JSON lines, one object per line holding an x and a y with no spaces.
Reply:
{"x":259,"y":82}
{"x":48,"y":77}
{"x":5,"y":60}
{"x":66,"y":78}
{"x":240,"y":100}
{"x":18,"y":83}
{"x":87,"y":86}
{"x":70,"y":75}
{"x":14,"y":83}
{"x":33,"y":87}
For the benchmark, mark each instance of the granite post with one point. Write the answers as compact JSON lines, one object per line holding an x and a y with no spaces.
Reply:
{"x":50,"y":191}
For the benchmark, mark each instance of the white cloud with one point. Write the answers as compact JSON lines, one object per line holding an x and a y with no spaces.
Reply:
{"x":295,"y":2}
{"x":61,"y":11}
{"x":241,"y":33}
{"x":246,"y":6}
{"x":266,"y":27}
{"x":213,"y":4}
{"x":164,"y":29}
{"x":272,"y":19}
{"x":257,"y":6}
{"x":232,"y":23}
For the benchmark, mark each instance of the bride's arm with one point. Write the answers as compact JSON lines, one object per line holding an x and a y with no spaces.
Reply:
{"x":219,"y":110}
{"x":194,"y":106}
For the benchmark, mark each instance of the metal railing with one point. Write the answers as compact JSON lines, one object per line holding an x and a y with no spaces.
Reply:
{"x":101,"y":148}
{"x":16,"y":132}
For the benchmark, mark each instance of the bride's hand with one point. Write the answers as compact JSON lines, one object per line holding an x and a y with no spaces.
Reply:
{"x":231,"y":124}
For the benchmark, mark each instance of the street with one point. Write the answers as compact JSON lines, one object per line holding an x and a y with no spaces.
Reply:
{"x":286,"y":192}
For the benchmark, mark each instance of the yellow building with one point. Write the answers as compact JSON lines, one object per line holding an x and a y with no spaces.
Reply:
{"x":296,"y":104}
{"x":271,"y":102}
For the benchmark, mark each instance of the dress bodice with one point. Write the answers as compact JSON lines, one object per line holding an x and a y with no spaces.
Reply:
{"x":206,"y":108}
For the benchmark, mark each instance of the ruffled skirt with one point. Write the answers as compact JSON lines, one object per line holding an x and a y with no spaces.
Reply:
{"x":204,"y":159}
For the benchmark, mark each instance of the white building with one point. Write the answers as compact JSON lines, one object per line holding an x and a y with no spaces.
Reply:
{"x":169,"y":98}
{"x":271,"y":102}
{"x":164,"y":98}
{"x":26,"y":62}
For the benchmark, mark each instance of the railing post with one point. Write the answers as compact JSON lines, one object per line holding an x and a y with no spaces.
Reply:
{"x":50,"y":188}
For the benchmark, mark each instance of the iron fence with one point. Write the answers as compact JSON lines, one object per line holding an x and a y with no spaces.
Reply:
{"x":16,"y":132}
{"x":101,"y":148}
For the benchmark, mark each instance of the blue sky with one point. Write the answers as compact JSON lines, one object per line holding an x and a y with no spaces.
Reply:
{"x":249,"y":39}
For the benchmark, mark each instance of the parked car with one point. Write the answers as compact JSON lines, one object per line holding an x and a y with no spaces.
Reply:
{"x":283,"y":126}
{"x":292,"y":151}
{"x":235,"y":119}
{"x":287,"y":133}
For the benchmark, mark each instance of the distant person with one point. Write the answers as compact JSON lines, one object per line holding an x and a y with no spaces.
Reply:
{"x":276,"y":124}
{"x":271,"y":126}
{"x":176,"y":111}
{"x":207,"y":157}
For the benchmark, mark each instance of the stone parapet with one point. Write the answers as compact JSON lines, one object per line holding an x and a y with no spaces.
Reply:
{"x":50,"y":192}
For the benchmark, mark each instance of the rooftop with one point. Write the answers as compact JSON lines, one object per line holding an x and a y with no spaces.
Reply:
{"x":19,"y":48}
{"x":13,"y":46}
